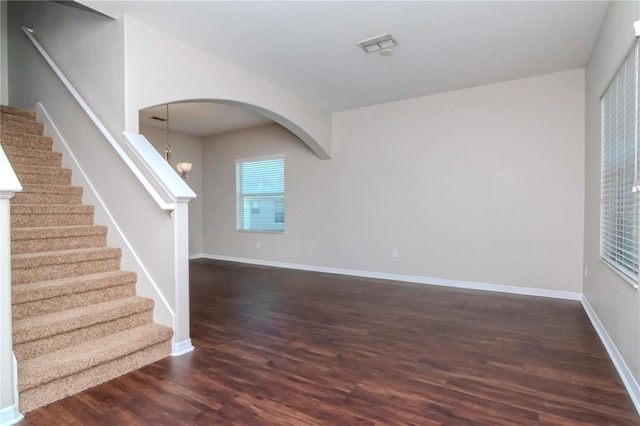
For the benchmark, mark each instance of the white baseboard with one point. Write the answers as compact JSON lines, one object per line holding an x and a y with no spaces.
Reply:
{"x":472,"y":285}
{"x":197,"y":256}
{"x":630,"y":383}
{"x":10,"y":415}
{"x":181,"y":348}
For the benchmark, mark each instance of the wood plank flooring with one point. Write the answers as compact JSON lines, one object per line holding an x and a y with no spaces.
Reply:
{"x":283,"y":347}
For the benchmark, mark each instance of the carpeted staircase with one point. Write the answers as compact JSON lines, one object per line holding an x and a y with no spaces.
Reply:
{"x":77,"y":321}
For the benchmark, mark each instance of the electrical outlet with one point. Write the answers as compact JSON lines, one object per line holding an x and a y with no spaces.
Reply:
{"x":258,"y":245}
{"x":394,"y":252}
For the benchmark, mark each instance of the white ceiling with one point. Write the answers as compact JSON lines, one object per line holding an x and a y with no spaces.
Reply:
{"x":202,"y":118}
{"x":309,"y":47}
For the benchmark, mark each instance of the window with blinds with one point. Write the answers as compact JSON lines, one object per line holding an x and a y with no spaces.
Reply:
{"x":620,"y":191}
{"x":260,"y":194}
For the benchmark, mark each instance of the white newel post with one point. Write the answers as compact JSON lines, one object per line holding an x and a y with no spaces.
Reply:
{"x":9,"y":185}
{"x":181,"y":337}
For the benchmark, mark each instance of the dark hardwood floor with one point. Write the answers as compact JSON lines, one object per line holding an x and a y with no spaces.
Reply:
{"x":283,"y":347}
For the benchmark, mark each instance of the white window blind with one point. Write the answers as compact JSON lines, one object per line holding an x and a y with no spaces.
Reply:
{"x":620,"y":191}
{"x":260,"y":194}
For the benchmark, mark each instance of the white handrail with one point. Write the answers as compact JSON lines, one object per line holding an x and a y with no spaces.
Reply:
{"x":162,"y":203}
{"x":150,"y":160}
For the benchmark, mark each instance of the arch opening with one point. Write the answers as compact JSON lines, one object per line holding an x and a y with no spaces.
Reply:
{"x":208,"y":117}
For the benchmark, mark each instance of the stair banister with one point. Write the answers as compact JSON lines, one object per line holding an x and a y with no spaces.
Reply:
{"x":9,"y":185}
{"x":170,"y":193}
{"x":157,"y":177}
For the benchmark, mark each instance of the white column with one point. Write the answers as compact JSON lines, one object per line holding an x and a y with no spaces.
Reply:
{"x":181,"y":331}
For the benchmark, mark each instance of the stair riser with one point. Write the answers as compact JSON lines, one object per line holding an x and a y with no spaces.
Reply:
{"x":45,"y":394}
{"x":40,"y":220}
{"x":54,"y":244}
{"x":22,"y":276}
{"x":70,"y":301}
{"x":28,"y":350}
{"x":43,"y":158}
{"x":29,"y":128}
{"x":44,"y":198}
{"x":20,"y":140}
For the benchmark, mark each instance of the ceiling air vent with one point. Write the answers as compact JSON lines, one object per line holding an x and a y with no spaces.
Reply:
{"x":382,"y":43}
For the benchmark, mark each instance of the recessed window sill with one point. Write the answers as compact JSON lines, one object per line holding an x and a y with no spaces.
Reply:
{"x":620,"y":274}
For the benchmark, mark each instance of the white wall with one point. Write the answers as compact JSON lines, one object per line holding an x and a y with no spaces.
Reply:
{"x":615,"y":302}
{"x":484,"y":184}
{"x":161,"y":69}
{"x":184,"y":148}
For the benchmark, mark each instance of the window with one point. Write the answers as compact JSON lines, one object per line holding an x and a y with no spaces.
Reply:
{"x":620,"y":187}
{"x":260,"y":194}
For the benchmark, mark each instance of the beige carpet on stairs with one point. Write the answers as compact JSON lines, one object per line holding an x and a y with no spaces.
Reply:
{"x":77,"y":321}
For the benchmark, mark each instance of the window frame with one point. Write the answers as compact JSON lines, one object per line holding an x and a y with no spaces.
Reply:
{"x":614,"y":182}
{"x":240,"y":197}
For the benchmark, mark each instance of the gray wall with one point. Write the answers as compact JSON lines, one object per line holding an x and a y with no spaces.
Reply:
{"x":4,"y":56}
{"x":87,"y":47}
{"x":483,"y":184}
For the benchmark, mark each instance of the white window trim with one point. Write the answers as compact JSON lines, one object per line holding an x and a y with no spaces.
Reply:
{"x":260,"y":158}
{"x":625,"y":277}
{"x":252,"y":159}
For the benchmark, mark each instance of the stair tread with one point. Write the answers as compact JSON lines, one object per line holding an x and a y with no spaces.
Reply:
{"x":48,"y":194}
{"x":25,"y":140}
{"x":14,"y":131}
{"x":26,"y":127}
{"x":6,"y":109}
{"x":65,"y":362}
{"x":29,"y":233}
{"x":39,"y":327}
{"x":15,"y":117}
{"x":10,"y":116}
{"x":50,"y":208}
{"x":20,"y":155}
{"x":65,"y":252}
{"x":6,"y":118}
{"x":49,"y":215}
{"x":19,"y":150}
{"x":50,"y":174}
{"x":50,"y":189}
{"x":57,"y":238}
{"x":23,"y":170}
{"x":40,"y":170}
{"x":20,"y":120}
{"x":22,"y":293}
{"x":70,"y":256}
